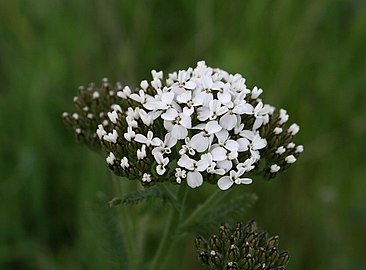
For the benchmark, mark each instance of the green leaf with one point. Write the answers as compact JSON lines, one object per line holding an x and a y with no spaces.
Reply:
{"x":227,"y":212}
{"x":139,"y":196}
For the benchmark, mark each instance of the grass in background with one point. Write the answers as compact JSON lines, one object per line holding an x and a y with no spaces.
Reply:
{"x":307,"y":56}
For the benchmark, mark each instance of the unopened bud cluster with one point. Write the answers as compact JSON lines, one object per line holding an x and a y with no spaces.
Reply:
{"x":92,"y":105}
{"x":242,"y":247}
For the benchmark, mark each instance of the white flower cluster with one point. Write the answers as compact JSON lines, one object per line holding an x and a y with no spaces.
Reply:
{"x":202,"y":123}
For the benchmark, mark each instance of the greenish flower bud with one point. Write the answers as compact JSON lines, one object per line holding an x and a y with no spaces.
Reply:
{"x":204,"y":257}
{"x":231,"y":266}
{"x":200,"y":242}
{"x":215,"y":243}
{"x":233,"y":253}
{"x":273,"y":242}
{"x":216,"y":258}
{"x":283,"y":259}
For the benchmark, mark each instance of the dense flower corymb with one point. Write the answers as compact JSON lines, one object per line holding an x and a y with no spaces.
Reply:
{"x":200,"y":124}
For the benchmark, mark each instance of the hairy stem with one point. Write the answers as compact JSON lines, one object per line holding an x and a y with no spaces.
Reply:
{"x":171,"y":228}
{"x":125,"y":226}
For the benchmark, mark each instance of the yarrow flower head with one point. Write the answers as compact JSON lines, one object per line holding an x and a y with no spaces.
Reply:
{"x":199,"y":125}
{"x":242,"y":247}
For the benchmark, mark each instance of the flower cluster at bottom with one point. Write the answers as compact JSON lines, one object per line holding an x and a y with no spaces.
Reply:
{"x":242,"y":247}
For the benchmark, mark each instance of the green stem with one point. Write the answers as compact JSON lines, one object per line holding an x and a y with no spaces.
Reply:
{"x":211,"y":201}
{"x":125,"y":226}
{"x":171,"y":228}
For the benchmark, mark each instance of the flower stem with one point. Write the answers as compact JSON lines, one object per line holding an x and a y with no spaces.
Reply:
{"x":125,"y":226}
{"x":208,"y":204}
{"x":171,"y":228}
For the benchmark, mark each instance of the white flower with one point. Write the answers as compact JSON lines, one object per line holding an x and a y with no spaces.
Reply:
{"x":299,"y":149}
{"x":275,"y":168}
{"x":124,"y":163}
{"x":202,"y":141}
{"x":224,"y":94}
{"x":187,"y":148}
{"x":277,"y":130}
{"x":75,"y":116}
{"x":211,"y":112}
{"x":148,"y":118}
{"x":148,"y":140}
{"x":111,"y":158}
{"x":101,"y":132}
{"x":176,"y":123}
{"x":247,"y":165}
{"x":157,"y":74}
{"x":144,"y":84}
{"x":290,"y":159}
{"x":257,"y":144}
{"x":113,"y":116}
{"x":111,"y":137}
{"x":116,"y":107}
{"x":256,"y":92}
{"x":165,"y":148}
{"x":194,"y":177}
{"x":293,"y":129}
{"x":162,"y":162}
{"x":95,"y":95}
{"x":283,"y":116}
{"x":280,"y":150}
{"x":261,"y":114}
{"x":125,"y":93}
{"x":146,"y":178}
{"x":180,"y":174}
{"x":291,"y":145}
{"x":183,"y":82}
{"x":140,"y":97}
{"x":226,"y":182}
{"x":130,"y":134}
{"x":225,"y":141}
{"x":141,"y":153}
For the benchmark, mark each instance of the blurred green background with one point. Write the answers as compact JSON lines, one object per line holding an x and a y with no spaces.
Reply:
{"x":308,"y":56}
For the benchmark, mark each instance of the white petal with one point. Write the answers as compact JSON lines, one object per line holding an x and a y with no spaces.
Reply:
{"x":167,"y":97}
{"x":225,"y":164}
{"x":199,"y":142}
{"x":184,"y":97}
{"x":170,"y":114}
{"x":160,"y":170}
{"x":140,"y":138}
{"x":203,"y":113}
{"x":185,"y":120}
{"x":225,"y":183}
{"x":222,"y":135}
{"x":186,"y":162}
{"x":179,"y":132}
{"x":258,"y":142}
{"x":244,"y":108}
{"x":224,"y":97}
{"x":170,"y":140}
{"x":194,"y":179}
{"x":232,"y":145}
{"x":190,"y":85}
{"x":228,"y":121}
{"x":188,"y":111}
{"x":213,"y":127}
{"x":218,"y":154}
{"x":202,"y":165}
{"x":243,"y":181}
{"x":156,"y":142}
